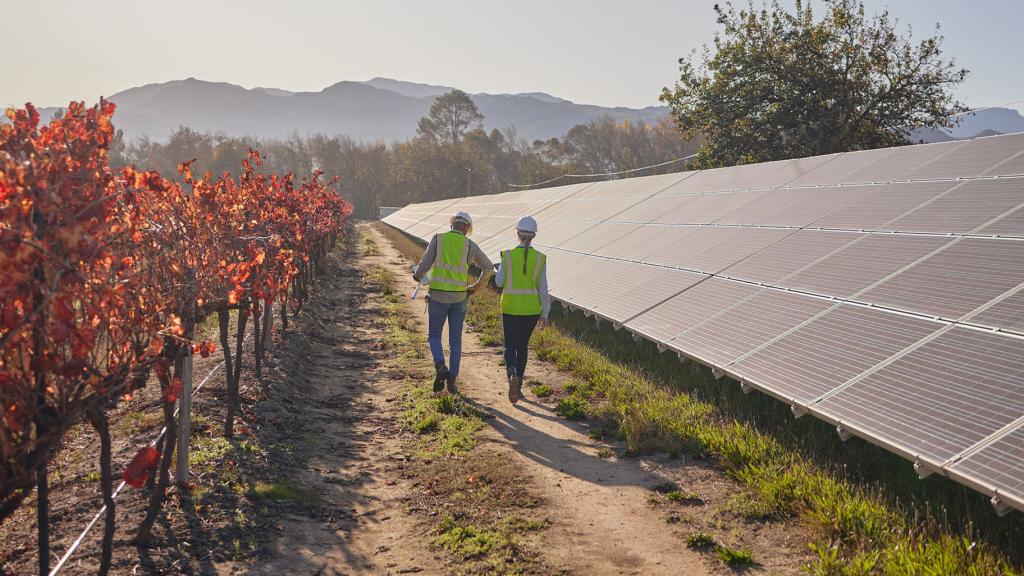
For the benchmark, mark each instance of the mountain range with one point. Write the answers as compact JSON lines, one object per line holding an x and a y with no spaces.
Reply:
{"x":383,"y":109}
{"x":380,"y":109}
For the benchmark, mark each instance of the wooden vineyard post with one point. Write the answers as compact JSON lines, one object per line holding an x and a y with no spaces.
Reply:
{"x":268,"y":324}
{"x":185,"y":396}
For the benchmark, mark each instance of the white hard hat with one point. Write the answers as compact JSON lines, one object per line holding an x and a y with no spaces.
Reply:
{"x":527,"y":224}
{"x":461,"y":216}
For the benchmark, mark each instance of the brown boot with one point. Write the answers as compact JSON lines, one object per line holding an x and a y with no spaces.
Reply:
{"x":514,"y":393}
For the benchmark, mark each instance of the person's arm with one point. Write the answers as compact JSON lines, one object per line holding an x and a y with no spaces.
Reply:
{"x":477,"y":257}
{"x":427,"y":261}
{"x":545,"y":298}
{"x":499,"y":276}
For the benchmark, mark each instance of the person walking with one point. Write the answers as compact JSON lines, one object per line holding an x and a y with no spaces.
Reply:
{"x":449,"y":256}
{"x":525,"y":303}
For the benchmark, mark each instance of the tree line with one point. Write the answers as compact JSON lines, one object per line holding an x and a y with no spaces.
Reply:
{"x":451,"y":155}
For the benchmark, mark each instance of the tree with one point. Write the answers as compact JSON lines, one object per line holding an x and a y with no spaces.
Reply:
{"x":451,"y":115}
{"x":782,"y":85}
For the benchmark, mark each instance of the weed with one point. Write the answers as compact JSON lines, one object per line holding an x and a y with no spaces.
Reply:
{"x":604,"y":452}
{"x":684,"y":497}
{"x":701,"y":541}
{"x":665,"y":487}
{"x":541,"y":390}
{"x":92,"y":476}
{"x":380,"y":278}
{"x":733,"y":558}
{"x":572,"y":408}
{"x":470,"y":542}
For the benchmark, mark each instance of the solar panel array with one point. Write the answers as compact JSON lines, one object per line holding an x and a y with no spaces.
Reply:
{"x":881,"y":291}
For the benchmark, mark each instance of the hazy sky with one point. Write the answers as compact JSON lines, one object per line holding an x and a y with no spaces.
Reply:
{"x":588,"y":51}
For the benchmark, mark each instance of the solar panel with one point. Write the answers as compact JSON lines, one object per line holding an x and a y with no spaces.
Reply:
{"x":1007,"y":314}
{"x":590,"y":241}
{"x":1013,"y":166}
{"x":903,"y":161}
{"x":1008,"y":225}
{"x":689,"y":308}
{"x":835,"y":171}
{"x":751,"y":323}
{"x":713,"y":249}
{"x":955,"y":281}
{"x":972,"y":158}
{"x":830,"y":351}
{"x":884,"y":205}
{"x":649,"y":287}
{"x":999,"y":467}
{"x":863,"y":263}
{"x":652,"y":208}
{"x":882,"y":290}
{"x":963,"y":209}
{"x":789,"y":255}
{"x":707,"y":208}
{"x":939,"y":399}
{"x":644,"y":241}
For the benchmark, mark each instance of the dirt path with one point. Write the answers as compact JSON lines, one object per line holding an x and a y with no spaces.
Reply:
{"x":343,"y":441}
{"x":601,"y":520}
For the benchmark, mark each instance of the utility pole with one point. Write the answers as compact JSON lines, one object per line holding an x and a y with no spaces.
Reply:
{"x":469,"y":178}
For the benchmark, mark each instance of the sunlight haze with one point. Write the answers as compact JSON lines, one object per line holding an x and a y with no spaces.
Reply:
{"x":594,"y":52}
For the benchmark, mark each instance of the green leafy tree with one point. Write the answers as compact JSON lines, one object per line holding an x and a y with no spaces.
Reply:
{"x":450,"y":116}
{"x":782,"y":84}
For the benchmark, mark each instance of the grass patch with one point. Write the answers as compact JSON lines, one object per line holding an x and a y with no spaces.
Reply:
{"x":283,"y":492}
{"x":380,"y":277}
{"x":684,"y":497}
{"x":605,"y":452}
{"x":468,"y":542}
{"x":572,"y":408}
{"x":734,"y":558}
{"x":92,"y":476}
{"x":701,"y":541}
{"x":541,"y":390}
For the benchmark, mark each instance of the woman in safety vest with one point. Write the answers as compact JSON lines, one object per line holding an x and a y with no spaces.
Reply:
{"x":448,"y":258}
{"x":522,"y":277}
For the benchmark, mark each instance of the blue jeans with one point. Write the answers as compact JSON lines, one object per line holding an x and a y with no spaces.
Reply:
{"x":455,"y":315}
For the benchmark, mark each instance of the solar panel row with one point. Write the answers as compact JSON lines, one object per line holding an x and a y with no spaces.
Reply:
{"x":881,"y":291}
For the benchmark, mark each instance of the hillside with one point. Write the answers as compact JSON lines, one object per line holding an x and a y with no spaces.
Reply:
{"x":379,"y":109}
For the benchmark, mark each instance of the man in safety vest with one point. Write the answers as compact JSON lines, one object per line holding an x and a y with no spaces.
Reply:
{"x":522,"y":277}
{"x":448,"y":257}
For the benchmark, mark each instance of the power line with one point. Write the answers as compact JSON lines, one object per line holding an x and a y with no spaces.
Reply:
{"x":973,"y":110}
{"x":603,"y":174}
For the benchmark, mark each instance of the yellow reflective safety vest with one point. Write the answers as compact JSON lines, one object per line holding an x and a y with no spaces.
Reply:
{"x":520,"y":290}
{"x":451,"y":265}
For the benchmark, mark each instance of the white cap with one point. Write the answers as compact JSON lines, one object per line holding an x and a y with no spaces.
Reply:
{"x":461,"y":216}
{"x":527,"y":224}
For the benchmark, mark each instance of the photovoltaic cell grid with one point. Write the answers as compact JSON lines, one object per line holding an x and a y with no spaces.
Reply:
{"x":882,"y":291}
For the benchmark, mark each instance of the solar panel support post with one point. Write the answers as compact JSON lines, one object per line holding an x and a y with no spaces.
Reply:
{"x":1000,"y":507}
{"x":844,"y":434}
{"x":923,"y":470}
{"x":617,"y":326}
{"x":746,"y":388}
{"x":597,"y":321}
{"x":717,"y":372}
{"x":636,"y":337}
{"x":662,"y":347}
{"x":683,"y":358}
{"x":798,"y":411}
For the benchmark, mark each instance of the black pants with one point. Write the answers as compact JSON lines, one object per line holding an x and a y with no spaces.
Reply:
{"x":517,"y":340}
